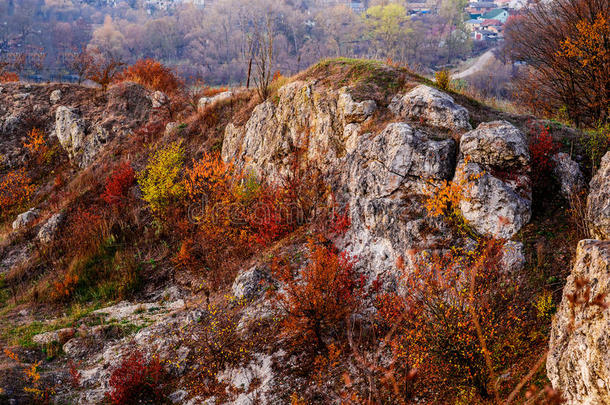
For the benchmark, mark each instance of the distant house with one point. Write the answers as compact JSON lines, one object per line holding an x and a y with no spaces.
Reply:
{"x":479,"y":8}
{"x":499,"y":14}
{"x":474,"y":23}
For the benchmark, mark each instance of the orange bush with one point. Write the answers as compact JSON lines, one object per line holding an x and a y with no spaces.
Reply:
{"x":153,"y":75}
{"x":8,"y":77}
{"x":36,"y":145}
{"x":320,"y":297}
{"x":15,"y":191}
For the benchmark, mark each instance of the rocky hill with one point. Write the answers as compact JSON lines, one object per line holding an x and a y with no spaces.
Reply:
{"x":359,"y":237}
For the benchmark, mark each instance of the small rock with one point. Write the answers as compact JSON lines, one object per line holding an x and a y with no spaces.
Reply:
{"x":26,"y":218}
{"x":159,"y":99}
{"x":55,"y":96}
{"x":47,"y":232}
{"x":177,"y":396}
{"x":60,"y":336}
{"x":22,"y":96}
{"x":171,"y":127}
{"x":513,"y":257}
{"x":568,"y":174}
{"x":205,"y":101}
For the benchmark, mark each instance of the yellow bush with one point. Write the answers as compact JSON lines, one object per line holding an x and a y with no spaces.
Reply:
{"x":443,"y":79}
{"x":161,"y":182}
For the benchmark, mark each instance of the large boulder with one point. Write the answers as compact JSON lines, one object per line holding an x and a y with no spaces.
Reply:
{"x":432,"y":107}
{"x":492,"y":170}
{"x":352,"y":111}
{"x":598,"y":202}
{"x":568,"y":174}
{"x":578,"y":363}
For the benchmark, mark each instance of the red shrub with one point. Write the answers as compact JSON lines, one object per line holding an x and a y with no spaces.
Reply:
{"x":15,"y":191}
{"x":152,"y":74}
{"x":118,"y":184}
{"x":136,"y":381}
{"x":542,"y":148}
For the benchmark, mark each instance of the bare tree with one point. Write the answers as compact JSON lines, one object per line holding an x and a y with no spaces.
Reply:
{"x":263,"y":58}
{"x":79,"y":62}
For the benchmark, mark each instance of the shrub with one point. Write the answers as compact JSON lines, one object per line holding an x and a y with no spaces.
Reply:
{"x":596,"y":143}
{"x":153,"y":75}
{"x":8,"y":77}
{"x":320,"y":297}
{"x":36,"y":145}
{"x":102,"y":68}
{"x":542,"y":148}
{"x":161,"y":180}
{"x":15,"y":191}
{"x":137,"y":380}
{"x":118,"y":184}
{"x":443,"y":79}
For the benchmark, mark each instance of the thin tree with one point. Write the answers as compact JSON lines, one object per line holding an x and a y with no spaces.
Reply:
{"x":264,"y":58}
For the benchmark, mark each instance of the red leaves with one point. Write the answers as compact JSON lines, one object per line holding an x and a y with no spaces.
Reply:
{"x":136,"y":380}
{"x":542,"y":149}
{"x":118,"y":184}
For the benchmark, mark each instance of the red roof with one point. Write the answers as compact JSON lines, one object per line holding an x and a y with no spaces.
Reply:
{"x":487,"y":23}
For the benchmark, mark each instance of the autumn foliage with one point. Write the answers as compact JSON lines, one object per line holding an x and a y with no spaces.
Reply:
{"x":136,"y":380}
{"x":542,"y":148}
{"x":15,"y":191}
{"x":118,"y":184}
{"x":320,"y":297}
{"x":153,"y":75}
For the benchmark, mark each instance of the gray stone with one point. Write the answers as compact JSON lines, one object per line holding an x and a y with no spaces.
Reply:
{"x":432,"y":107}
{"x":205,"y":101}
{"x":178,"y":396}
{"x":493,"y":172}
{"x":47,"y":231}
{"x":159,"y":99}
{"x":578,"y":363}
{"x":55,"y":96}
{"x":355,"y":112}
{"x":26,"y":218}
{"x":598,"y":201}
{"x":496,"y":143}
{"x":568,"y":174}
{"x":513,"y":257}
{"x":250,"y":284}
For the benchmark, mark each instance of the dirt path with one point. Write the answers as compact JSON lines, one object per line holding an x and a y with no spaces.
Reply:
{"x":478,"y":65}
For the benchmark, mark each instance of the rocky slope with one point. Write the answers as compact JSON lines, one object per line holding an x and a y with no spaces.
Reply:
{"x":383,"y":150}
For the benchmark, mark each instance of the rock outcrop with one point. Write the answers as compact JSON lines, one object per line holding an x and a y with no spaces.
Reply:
{"x":47,"y":232}
{"x":568,"y":174}
{"x":578,"y":363}
{"x":493,"y":169}
{"x":598,"y":202}
{"x":429,"y":106}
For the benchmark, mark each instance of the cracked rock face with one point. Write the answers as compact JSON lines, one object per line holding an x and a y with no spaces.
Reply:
{"x":578,"y":363}
{"x":598,"y":202}
{"x":493,"y":166}
{"x":431,"y":107}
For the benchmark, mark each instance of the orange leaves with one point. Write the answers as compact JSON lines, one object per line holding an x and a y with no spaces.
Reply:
{"x":319,"y":297}
{"x":152,"y":74}
{"x":8,"y":77}
{"x":15,"y":191}
{"x":589,"y":43}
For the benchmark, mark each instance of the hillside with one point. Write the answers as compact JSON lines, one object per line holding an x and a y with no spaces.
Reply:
{"x":359,"y":237}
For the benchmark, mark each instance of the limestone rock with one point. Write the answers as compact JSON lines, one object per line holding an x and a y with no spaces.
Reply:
{"x":496,"y":143}
{"x":578,"y":363}
{"x":205,"y":101}
{"x":355,"y":112}
{"x":55,"y":96}
{"x":60,"y":336}
{"x":25,"y":218}
{"x":513,"y":257}
{"x":598,"y":202}
{"x":568,"y":174}
{"x":47,"y":232}
{"x":495,"y":203}
{"x":159,"y":99}
{"x":432,"y":107}
{"x":249,"y":284}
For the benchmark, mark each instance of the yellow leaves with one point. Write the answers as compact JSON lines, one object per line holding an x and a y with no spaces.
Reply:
{"x":15,"y":190}
{"x":161,"y":181}
{"x":35,"y":143}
